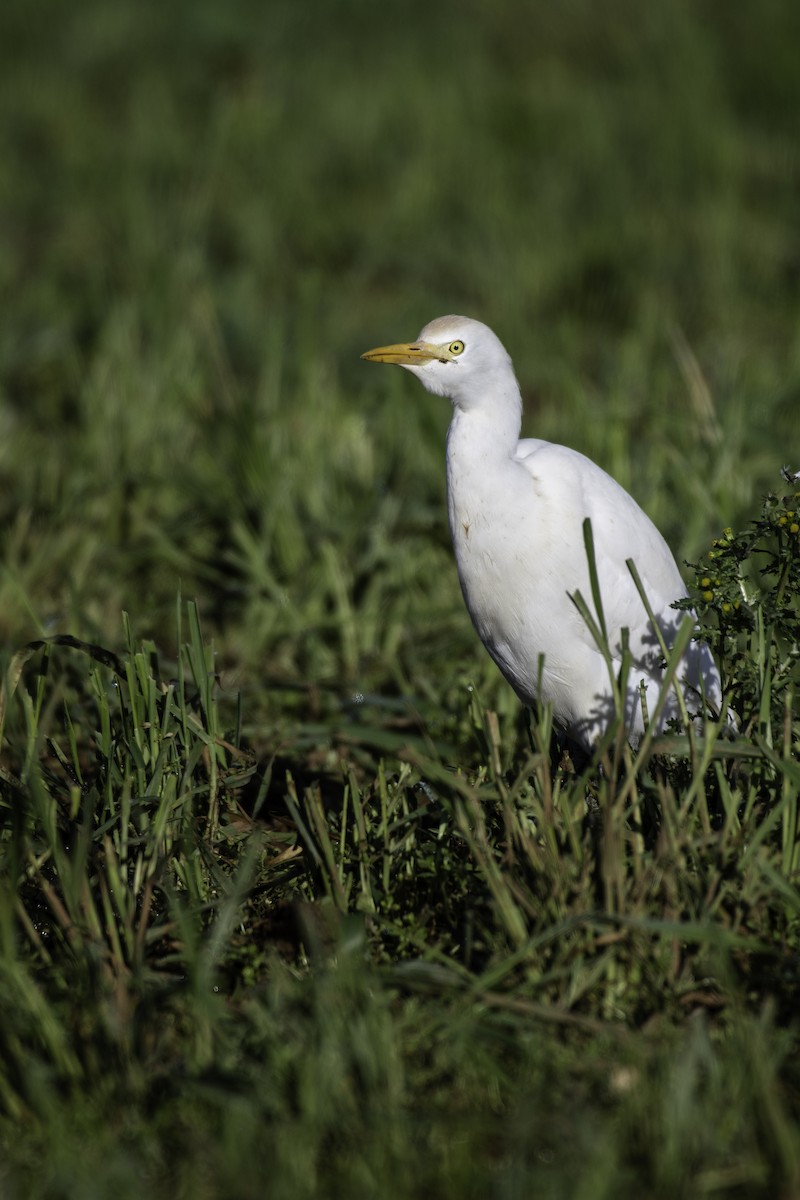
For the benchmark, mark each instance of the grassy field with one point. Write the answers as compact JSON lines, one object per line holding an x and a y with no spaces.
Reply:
{"x":289,"y":903}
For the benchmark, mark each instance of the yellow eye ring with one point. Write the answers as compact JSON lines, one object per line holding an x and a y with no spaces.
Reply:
{"x":456,"y":347}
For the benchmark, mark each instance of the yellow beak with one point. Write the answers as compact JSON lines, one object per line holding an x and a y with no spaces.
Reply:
{"x":407,"y":354}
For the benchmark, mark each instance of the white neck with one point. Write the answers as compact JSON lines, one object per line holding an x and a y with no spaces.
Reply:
{"x":490,"y":429}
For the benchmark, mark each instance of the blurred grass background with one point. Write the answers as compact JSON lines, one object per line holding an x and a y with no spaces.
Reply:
{"x":207,"y":211}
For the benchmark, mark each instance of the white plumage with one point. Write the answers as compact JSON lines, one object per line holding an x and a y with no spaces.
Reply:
{"x":516,"y":512}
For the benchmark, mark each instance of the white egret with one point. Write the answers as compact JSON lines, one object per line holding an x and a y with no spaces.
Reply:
{"x":516,"y":512}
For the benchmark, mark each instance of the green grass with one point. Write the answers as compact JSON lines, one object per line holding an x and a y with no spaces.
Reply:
{"x":289,"y":902}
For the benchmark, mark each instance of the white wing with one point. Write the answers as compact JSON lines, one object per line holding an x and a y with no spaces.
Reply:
{"x":575,"y":487}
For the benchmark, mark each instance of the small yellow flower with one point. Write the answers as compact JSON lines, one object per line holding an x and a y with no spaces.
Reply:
{"x":726,"y":608}
{"x":705,"y":582}
{"x":708,"y":595}
{"x":794,"y":527}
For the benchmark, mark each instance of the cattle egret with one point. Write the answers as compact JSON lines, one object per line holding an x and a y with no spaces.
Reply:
{"x":517,"y":512}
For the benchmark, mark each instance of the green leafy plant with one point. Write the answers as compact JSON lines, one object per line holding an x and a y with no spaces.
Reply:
{"x":746,"y":593}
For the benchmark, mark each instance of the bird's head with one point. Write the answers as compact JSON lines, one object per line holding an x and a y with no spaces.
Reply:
{"x":455,"y":357}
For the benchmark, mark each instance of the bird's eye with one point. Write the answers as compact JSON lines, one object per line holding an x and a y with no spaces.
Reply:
{"x":456,"y":347}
